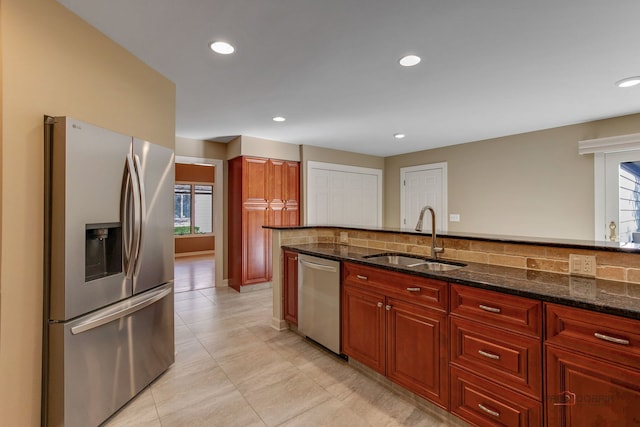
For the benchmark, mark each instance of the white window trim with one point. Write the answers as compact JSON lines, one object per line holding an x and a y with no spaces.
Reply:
{"x":599,"y":147}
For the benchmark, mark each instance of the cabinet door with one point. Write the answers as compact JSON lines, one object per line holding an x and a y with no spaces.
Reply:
{"x":290,"y":287}
{"x":363,"y":327}
{"x":291,"y":194}
{"x":256,"y":245}
{"x":417,"y":350}
{"x":585,"y":391}
{"x":255,"y":180}
{"x":277,"y":181}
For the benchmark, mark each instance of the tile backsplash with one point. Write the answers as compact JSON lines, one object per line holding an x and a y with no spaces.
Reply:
{"x":609,"y":265}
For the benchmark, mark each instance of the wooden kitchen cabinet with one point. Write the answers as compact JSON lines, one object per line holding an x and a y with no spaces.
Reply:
{"x":416,"y":353}
{"x":363,"y":327}
{"x":483,"y":402}
{"x":592,"y":368}
{"x":290,"y":287}
{"x":283,"y":192}
{"x":496,"y":358}
{"x":261,"y":192}
{"x":394,"y":324}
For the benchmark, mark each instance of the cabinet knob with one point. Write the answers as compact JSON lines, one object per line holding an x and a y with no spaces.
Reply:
{"x":380,"y":305}
{"x":387,"y":307}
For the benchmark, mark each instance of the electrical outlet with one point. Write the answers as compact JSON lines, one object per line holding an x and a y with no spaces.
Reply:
{"x":344,"y":237}
{"x":582,"y":265}
{"x":454,"y":217}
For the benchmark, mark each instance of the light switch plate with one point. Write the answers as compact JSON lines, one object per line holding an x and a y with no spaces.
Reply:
{"x":344,"y":237}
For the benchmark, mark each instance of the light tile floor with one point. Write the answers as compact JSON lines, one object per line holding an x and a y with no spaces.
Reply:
{"x":233,"y":369}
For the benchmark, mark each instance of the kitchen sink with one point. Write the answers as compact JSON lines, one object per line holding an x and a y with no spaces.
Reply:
{"x":414,"y":261}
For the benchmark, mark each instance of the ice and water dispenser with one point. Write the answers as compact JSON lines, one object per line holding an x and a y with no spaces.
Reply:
{"x":103,"y":250}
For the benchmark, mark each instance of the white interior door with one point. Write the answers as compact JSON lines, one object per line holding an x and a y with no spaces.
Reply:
{"x":621,"y":196}
{"x":343,"y":195}
{"x":420,"y":186}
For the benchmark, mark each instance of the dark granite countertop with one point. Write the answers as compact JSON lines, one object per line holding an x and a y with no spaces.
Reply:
{"x":605,"y":296}
{"x":627,"y":247}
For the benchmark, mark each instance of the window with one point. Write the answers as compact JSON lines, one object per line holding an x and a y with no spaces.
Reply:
{"x":193,"y":209}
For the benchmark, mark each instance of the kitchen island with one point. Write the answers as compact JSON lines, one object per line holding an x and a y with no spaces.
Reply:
{"x":473,"y":340}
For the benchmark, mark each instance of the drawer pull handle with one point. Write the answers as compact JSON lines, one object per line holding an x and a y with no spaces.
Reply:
{"x":380,"y":305}
{"x":489,"y":355}
{"x":488,"y":411}
{"x":489,"y":309}
{"x":413,"y":289}
{"x":611,"y":339}
{"x":362,"y":277}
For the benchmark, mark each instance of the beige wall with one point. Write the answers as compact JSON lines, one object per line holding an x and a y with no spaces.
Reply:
{"x":327,"y":155}
{"x":258,"y":147}
{"x":532,"y":184}
{"x":202,"y":149}
{"x":55,"y":64}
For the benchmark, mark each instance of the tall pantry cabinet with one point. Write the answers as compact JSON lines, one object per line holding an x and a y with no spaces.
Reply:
{"x":261,"y":192}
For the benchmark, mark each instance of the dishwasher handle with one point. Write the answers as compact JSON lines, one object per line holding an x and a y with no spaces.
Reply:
{"x":317,"y":266}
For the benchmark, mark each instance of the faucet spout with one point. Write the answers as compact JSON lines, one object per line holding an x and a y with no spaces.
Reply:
{"x":435,"y":250}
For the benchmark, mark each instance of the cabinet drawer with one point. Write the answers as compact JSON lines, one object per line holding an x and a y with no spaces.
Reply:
{"x":510,"y":359}
{"x":509,"y":312}
{"x":610,"y":337}
{"x":417,"y":290}
{"x":484,"y":403}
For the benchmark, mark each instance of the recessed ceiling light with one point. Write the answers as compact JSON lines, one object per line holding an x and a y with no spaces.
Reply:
{"x":628,"y":82}
{"x":409,"y":60}
{"x":279,"y":119}
{"x":399,"y":135}
{"x":222,"y":48}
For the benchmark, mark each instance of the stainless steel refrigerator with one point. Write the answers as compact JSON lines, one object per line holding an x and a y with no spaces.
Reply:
{"x":108,"y":310}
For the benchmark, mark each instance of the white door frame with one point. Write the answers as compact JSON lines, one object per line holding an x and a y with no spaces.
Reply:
{"x":218,"y":213}
{"x":431,"y":166}
{"x":599,"y":148}
{"x":311,"y":165}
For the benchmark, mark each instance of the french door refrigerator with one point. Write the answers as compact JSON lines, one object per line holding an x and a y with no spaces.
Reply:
{"x":108,"y":309}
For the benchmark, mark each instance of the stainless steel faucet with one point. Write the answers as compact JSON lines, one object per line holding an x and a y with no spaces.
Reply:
{"x":434,"y":249}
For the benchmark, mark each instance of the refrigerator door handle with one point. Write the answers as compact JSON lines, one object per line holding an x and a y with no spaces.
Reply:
{"x":98,"y":320}
{"x":126,"y":215}
{"x":135,"y":212}
{"x":142,"y":211}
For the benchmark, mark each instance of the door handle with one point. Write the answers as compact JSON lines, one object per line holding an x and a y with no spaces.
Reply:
{"x":142,"y":211}
{"x":604,"y":337}
{"x":489,"y":309}
{"x":317,"y":266}
{"x":489,"y":355}
{"x":109,"y":315}
{"x":488,"y":411}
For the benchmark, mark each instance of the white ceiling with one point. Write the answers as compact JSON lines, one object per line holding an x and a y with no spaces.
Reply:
{"x":489,"y":68}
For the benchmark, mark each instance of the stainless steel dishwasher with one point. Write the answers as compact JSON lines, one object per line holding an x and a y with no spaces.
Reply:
{"x":319,"y":300}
